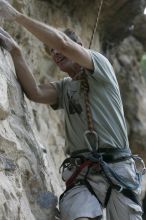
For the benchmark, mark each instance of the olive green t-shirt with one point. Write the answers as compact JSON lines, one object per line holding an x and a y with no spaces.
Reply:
{"x":105,"y":103}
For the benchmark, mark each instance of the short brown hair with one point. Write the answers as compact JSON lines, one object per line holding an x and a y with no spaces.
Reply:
{"x":72,"y":35}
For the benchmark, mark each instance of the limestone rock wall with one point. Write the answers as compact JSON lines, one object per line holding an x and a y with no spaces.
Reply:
{"x":31,"y":135}
{"x":28,"y":171}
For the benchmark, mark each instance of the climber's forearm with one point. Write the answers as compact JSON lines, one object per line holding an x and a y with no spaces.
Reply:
{"x":47,"y":34}
{"x":51,"y":37}
{"x":46,"y":94}
{"x":23,"y":73}
{"x":58,"y":40}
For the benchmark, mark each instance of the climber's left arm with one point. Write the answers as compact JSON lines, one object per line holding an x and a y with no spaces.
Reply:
{"x":50,"y":36}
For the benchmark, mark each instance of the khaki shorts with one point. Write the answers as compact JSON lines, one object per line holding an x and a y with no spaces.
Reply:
{"x":80,"y":202}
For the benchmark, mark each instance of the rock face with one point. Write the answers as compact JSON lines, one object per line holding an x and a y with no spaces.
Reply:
{"x":125,"y":59}
{"x":29,"y":177}
{"x":31,"y":135}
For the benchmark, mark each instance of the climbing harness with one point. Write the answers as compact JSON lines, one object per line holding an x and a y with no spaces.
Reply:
{"x":99,"y":163}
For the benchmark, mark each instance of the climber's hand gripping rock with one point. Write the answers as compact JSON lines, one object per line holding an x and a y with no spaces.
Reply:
{"x":7,"y":11}
{"x":6,"y":41}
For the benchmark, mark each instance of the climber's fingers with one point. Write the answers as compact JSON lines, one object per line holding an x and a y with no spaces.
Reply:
{"x":7,"y":11}
{"x":7,"y":43}
{"x":3,"y":32}
{"x":3,"y":41}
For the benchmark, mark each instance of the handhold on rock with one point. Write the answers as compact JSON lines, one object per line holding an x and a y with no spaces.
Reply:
{"x":47,"y":200}
{"x":7,"y":164}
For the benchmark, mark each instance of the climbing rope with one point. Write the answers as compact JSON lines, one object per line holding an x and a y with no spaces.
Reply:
{"x":90,"y":135}
{"x":96,"y":23}
{"x":84,"y":84}
{"x":85,"y":88}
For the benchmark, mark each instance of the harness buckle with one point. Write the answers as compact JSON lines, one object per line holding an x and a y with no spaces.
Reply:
{"x":92,"y":135}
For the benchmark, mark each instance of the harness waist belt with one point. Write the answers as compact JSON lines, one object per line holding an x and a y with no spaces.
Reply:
{"x":109,"y":155}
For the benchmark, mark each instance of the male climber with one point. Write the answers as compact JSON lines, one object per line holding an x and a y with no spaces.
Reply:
{"x":99,"y":171}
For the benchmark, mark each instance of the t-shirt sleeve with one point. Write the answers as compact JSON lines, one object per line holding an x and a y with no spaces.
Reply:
{"x":103,"y":70}
{"x":60,"y":86}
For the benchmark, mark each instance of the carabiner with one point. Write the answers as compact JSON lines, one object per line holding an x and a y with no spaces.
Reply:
{"x":86,"y":134}
{"x":120,"y":188}
{"x":141,"y":164}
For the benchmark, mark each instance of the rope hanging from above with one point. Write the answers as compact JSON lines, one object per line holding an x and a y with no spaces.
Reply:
{"x":84,"y":84}
{"x":90,"y":135}
{"x":96,"y":23}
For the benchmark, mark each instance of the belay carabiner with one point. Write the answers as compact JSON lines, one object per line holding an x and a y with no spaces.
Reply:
{"x":91,"y":140}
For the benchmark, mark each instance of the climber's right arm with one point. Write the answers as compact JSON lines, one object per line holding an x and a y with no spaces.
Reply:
{"x":38,"y":93}
{"x":46,"y":94}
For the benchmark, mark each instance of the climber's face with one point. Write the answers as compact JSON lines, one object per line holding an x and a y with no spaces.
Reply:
{"x":65,"y":64}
